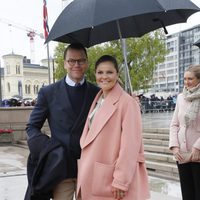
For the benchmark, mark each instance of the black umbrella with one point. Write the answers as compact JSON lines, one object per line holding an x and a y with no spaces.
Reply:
{"x":95,"y":21}
{"x":92,"y":22}
{"x":197,"y":43}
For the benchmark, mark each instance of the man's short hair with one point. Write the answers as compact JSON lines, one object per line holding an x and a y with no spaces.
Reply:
{"x":75,"y":46}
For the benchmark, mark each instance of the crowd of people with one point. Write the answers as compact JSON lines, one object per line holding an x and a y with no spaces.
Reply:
{"x":157,"y":104}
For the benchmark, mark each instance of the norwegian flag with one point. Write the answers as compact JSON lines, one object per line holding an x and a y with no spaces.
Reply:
{"x":45,"y":19}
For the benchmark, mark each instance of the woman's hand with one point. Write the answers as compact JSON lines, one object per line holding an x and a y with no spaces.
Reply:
{"x":118,"y":194}
{"x":177,"y":154}
{"x":195,"y":155}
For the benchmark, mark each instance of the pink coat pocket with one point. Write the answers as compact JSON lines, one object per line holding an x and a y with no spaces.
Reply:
{"x":102,"y":180}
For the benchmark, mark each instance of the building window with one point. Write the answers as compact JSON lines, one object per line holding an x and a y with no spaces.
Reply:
{"x":17,"y":69}
{"x":20,"y":88}
{"x":36,"y":89}
{"x":8,"y":86}
{"x":8,"y":69}
{"x":27,"y":89}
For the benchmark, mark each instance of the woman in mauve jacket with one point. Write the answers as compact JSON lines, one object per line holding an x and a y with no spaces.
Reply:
{"x":185,"y":134}
{"x":112,"y":163}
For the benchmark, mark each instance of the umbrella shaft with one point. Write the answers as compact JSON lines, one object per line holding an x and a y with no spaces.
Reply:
{"x":124,"y":51}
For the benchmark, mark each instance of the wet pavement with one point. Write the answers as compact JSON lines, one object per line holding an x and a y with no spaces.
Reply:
{"x":13,"y":181}
{"x":12,"y":172}
{"x":156,"y":120}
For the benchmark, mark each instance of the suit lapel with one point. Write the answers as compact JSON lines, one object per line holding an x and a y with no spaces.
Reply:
{"x":102,"y":116}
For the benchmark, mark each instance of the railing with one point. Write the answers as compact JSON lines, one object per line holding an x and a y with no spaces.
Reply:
{"x":157,"y":106}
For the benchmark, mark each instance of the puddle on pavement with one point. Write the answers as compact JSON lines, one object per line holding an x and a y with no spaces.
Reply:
{"x":167,"y":187}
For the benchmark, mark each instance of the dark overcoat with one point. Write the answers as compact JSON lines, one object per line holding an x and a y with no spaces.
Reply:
{"x":53,"y":104}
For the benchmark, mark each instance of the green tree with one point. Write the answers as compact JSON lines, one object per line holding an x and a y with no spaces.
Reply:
{"x":143,"y":54}
{"x":59,"y":60}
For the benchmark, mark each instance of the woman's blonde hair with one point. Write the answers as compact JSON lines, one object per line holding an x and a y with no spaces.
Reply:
{"x":194,"y":69}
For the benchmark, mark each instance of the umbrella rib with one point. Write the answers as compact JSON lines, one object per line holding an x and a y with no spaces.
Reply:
{"x":89,"y":35}
{"x":162,"y":24}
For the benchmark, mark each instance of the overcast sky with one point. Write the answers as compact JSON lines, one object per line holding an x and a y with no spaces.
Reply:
{"x":29,"y":14}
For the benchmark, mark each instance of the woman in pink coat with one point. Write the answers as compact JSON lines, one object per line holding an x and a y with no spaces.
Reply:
{"x":185,"y":134}
{"x":112,"y":163}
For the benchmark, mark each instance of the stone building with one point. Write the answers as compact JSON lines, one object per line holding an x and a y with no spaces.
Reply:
{"x":21,"y":78}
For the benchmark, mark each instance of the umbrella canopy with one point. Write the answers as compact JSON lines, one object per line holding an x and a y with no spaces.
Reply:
{"x":197,"y":43}
{"x":92,"y":22}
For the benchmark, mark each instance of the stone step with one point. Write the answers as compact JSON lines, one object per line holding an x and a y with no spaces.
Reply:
{"x":156,"y":136}
{"x":22,"y":144}
{"x":162,"y":168}
{"x":162,"y":175}
{"x":156,"y":130}
{"x":157,"y":149}
{"x":155,"y":142}
{"x":159,"y":157}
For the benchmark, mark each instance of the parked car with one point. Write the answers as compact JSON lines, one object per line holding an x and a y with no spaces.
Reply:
{"x":28,"y":101}
{"x":5,"y":103}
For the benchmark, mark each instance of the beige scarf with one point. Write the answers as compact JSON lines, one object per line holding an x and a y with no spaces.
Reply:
{"x":192,"y":95}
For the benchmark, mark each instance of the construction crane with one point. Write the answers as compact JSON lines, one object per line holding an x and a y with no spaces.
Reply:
{"x":31,"y":33}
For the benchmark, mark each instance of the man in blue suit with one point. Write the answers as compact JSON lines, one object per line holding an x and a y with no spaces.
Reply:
{"x":65,"y":105}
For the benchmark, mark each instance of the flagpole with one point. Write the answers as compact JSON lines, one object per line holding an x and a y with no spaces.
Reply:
{"x":49,"y":71}
{"x":46,"y":32}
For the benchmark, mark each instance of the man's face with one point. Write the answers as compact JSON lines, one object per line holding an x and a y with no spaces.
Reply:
{"x":76,"y":64}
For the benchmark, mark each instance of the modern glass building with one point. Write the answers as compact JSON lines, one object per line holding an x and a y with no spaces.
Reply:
{"x":189,"y":54}
{"x":168,"y":76}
